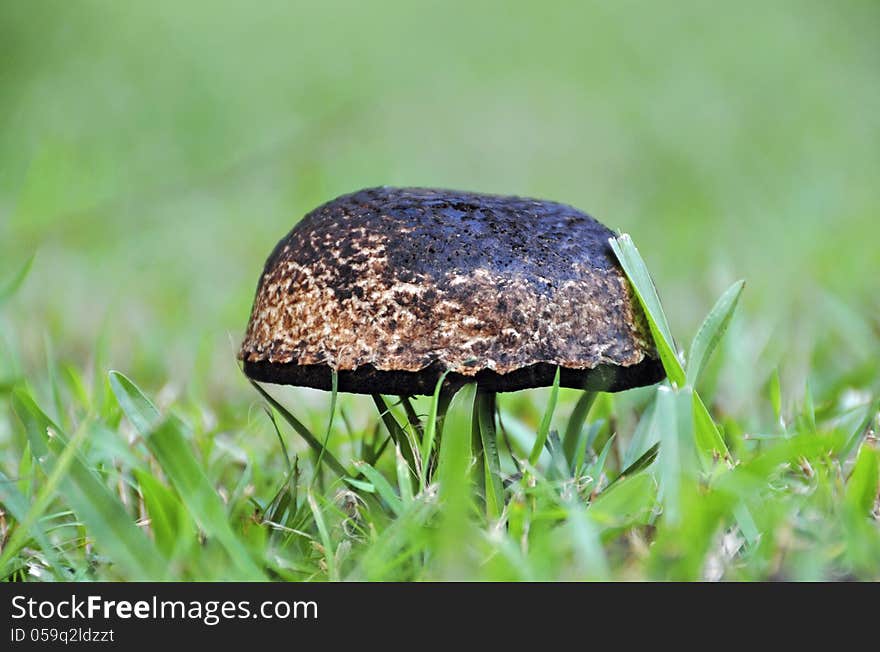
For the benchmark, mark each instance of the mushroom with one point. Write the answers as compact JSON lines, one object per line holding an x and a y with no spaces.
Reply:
{"x":391,"y":288}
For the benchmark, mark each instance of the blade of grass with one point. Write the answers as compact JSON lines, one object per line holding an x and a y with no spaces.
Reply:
{"x":326,"y":541}
{"x":136,"y":406}
{"x":303,"y":432}
{"x":485,"y":408}
{"x":397,"y":433}
{"x":382,"y":486}
{"x":28,"y":516}
{"x":712,"y":330}
{"x":404,"y":479}
{"x":168,"y":446}
{"x":637,"y":272}
{"x":575,"y":425}
{"x":710,"y":444}
{"x":412,"y":418}
{"x":172,"y":529}
{"x":430,"y":433}
{"x":95,"y":505}
{"x":454,"y":477}
{"x":861,"y":488}
{"x":587,"y":544}
{"x":333,"y":395}
{"x":644,"y":436}
{"x":670,"y":452}
{"x":628,"y":502}
{"x":544,"y":428}
{"x":639,"y":465}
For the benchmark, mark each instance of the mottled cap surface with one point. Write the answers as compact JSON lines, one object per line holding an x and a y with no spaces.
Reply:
{"x":392,"y":287}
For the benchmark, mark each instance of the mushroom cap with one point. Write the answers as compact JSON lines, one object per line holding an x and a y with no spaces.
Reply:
{"x":392,"y":287}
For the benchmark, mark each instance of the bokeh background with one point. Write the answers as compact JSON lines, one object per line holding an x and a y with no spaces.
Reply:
{"x":151,"y":154}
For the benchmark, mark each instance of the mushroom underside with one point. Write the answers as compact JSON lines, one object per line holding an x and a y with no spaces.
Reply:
{"x":369,"y":380}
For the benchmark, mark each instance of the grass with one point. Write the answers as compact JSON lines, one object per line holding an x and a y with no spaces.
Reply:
{"x":151,"y":161}
{"x":699,"y":501}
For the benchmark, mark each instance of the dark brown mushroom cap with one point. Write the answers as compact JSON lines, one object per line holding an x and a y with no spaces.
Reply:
{"x":393,"y":286}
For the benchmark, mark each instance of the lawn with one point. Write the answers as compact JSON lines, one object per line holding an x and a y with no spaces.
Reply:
{"x":153,"y":154}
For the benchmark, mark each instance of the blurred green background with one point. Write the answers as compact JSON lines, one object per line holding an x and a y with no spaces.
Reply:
{"x":153,"y":153}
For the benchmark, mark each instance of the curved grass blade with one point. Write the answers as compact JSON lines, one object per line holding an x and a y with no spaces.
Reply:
{"x":136,"y":406}
{"x":712,"y":330}
{"x":637,"y":272}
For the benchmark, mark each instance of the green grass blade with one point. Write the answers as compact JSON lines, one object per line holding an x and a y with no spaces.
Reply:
{"x":670,"y":454}
{"x":171,"y":527}
{"x":746,"y":523}
{"x":485,"y":407}
{"x":637,"y":272}
{"x":710,"y":444}
{"x":863,"y":426}
{"x":861,"y":488}
{"x":587,"y":545}
{"x":544,"y":428}
{"x":324,"y":533}
{"x":333,"y":395}
{"x":575,"y":425}
{"x":397,"y":433}
{"x":404,"y":478}
{"x":712,"y":330}
{"x":27,"y":515}
{"x":809,"y":410}
{"x":628,"y":502}
{"x":454,"y":477}
{"x":382,"y":486}
{"x":644,"y":436}
{"x":104,"y":515}
{"x":303,"y":432}
{"x":430,"y":433}
{"x":642,"y":463}
{"x":136,"y":406}
{"x":171,"y":450}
